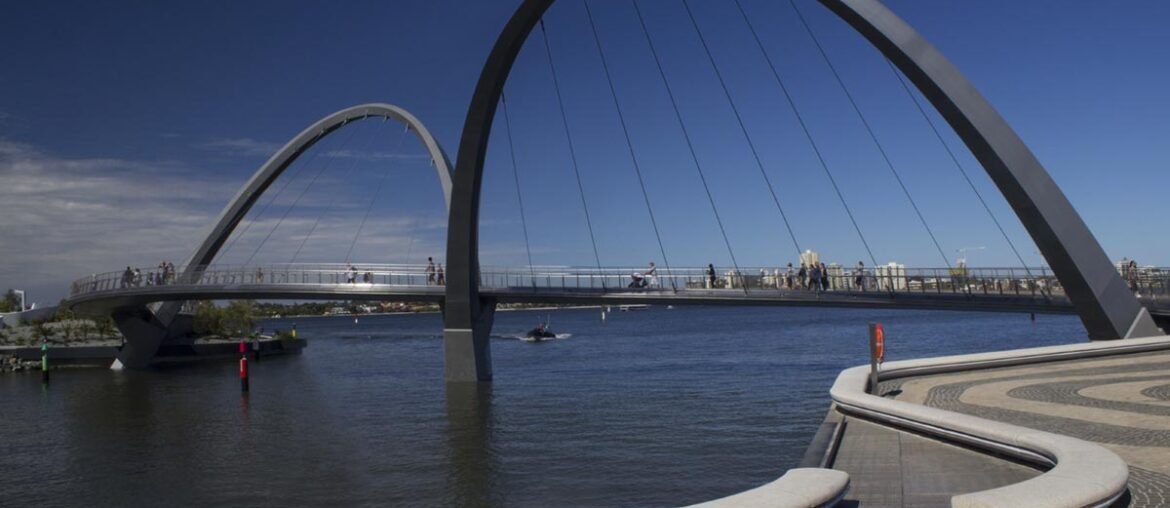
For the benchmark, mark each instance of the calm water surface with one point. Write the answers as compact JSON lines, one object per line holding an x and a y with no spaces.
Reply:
{"x":655,"y":407}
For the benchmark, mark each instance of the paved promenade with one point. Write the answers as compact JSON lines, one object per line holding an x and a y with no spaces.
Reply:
{"x":1121,"y":402}
{"x":890,"y":468}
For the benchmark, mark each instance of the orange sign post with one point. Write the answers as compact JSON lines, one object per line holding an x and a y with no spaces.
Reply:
{"x":877,"y":354}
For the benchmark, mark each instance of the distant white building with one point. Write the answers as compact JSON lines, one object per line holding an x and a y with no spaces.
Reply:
{"x":809,"y":258}
{"x":890,"y":277}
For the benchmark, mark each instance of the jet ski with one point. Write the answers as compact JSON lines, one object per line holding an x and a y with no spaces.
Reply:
{"x":540,"y":332}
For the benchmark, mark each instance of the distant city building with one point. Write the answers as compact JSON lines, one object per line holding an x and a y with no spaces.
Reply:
{"x":810,"y":257}
{"x":838,"y":278}
{"x":891,"y":276}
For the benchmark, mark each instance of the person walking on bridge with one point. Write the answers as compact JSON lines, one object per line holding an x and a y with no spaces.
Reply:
{"x":789,"y":275}
{"x":710,"y":276}
{"x":652,"y":275}
{"x":859,"y":276}
{"x":441,"y":278}
{"x":1131,"y":275}
{"x":824,"y":277}
{"x":430,"y":271}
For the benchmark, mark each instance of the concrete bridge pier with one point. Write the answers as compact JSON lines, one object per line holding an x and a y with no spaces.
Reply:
{"x":467,"y":353}
{"x":145,"y":333}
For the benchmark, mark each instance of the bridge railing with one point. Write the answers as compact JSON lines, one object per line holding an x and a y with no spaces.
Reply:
{"x":1019,"y":281}
{"x":1035,"y":282}
{"x":220,"y":275}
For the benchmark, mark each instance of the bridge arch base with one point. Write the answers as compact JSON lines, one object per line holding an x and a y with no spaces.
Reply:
{"x":467,"y":353}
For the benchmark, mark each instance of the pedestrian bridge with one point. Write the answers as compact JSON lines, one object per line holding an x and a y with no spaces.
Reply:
{"x":971,"y":289}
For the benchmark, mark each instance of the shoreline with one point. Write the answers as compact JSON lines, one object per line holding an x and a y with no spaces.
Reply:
{"x":95,"y":355}
{"x":545,"y":309}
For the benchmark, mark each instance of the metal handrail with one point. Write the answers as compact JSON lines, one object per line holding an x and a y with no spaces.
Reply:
{"x":1033,"y":282}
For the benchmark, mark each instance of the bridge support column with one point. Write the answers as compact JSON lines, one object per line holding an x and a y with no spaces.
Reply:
{"x":144,"y":334}
{"x":467,"y":353}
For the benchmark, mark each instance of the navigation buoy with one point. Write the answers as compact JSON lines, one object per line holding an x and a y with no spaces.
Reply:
{"x":117,"y":365}
{"x":603,"y":316}
{"x":243,"y":368}
{"x":45,"y":362}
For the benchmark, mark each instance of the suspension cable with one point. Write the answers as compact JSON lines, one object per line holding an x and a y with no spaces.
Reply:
{"x":374,"y":196}
{"x":295,"y":173}
{"x":516,"y":179}
{"x":869,"y":129}
{"x":742,"y":127}
{"x":687,"y":137}
{"x":629,"y":143}
{"x":572,"y":152}
{"x":410,"y":244}
{"x":289,"y":210}
{"x":807,"y":133}
{"x":955,"y":160}
{"x":327,"y":209}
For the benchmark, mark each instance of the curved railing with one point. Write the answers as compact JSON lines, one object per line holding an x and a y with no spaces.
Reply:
{"x":1002,"y":281}
{"x":1036,"y":283}
{"x":1078,"y":473}
{"x":304,"y":274}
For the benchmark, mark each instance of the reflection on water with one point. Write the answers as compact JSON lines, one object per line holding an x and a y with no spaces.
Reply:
{"x":653,"y":408}
{"x":472,"y":461}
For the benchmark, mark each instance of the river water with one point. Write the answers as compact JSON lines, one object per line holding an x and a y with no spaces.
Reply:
{"x":654,"y":407}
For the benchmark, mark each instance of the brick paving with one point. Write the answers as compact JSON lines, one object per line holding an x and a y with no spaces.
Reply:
{"x":1119,"y":402}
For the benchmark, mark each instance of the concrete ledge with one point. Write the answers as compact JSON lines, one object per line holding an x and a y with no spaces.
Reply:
{"x":798,"y":488}
{"x":1081,"y":473}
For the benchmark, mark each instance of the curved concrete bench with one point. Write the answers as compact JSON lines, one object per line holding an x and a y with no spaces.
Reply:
{"x":798,"y":488}
{"x":1081,"y":474}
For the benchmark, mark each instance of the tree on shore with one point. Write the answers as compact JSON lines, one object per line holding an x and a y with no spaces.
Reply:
{"x":238,"y":318}
{"x":10,"y":302}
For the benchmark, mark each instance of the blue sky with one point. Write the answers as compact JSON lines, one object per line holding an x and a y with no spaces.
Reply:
{"x":125,"y":128}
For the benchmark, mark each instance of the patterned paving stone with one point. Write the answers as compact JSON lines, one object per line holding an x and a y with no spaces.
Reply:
{"x":1158,"y":392}
{"x":1065,"y":392}
{"x":1059,"y":385}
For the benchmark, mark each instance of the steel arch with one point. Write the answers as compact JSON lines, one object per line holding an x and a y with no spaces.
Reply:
{"x":148,"y":328}
{"x":1106,"y":307}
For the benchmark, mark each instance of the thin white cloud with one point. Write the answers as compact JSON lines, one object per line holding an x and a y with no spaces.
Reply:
{"x":241,"y":146}
{"x":63,"y":218}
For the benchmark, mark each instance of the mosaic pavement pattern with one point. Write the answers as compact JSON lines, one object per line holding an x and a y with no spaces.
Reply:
{"x":1121,"y":402}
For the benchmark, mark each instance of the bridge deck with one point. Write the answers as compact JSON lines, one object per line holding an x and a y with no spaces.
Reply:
{"x":131,"y":296}
{"x":977,"y":289}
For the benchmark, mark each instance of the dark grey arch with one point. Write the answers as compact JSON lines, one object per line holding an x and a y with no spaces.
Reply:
{"x":1108,"y":309}
{"x":1104,"y":303}
{"x":149,"y":327}
{"x":234,"y":212}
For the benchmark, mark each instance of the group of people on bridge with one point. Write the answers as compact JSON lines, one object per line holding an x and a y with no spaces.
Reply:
{"x":813,"y":276}
{"x":435,"y":275}
{"x":133,"y":277}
